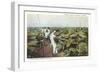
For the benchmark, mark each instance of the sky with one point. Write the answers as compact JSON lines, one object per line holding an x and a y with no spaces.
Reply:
{"x":47,"y":19}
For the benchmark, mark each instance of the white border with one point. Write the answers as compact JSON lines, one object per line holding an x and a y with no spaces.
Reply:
{"x":55,"y":58}
{"x":18,"y":60}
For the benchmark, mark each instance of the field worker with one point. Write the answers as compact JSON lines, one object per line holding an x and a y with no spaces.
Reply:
{"x":52,"y":36}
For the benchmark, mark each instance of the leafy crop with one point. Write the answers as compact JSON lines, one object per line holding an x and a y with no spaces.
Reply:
{"x":70,"y":41}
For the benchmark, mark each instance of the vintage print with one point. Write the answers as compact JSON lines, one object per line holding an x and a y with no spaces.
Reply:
{"x":55,"y":34}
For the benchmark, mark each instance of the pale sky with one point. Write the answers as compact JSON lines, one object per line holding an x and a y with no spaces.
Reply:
{"x":44,"y":19}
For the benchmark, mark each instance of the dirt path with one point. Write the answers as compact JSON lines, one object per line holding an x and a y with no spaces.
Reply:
{"x":45,"y":50}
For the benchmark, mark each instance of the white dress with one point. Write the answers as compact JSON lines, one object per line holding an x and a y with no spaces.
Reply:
{"x":52,"y":36}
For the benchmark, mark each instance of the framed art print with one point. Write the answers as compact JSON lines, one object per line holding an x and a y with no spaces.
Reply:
{"x":48,"y":36}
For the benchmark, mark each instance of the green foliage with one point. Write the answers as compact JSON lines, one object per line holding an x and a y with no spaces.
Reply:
{"x":71,"y":41}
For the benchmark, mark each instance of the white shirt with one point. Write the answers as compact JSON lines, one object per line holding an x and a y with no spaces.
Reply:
{"x":52,"y":36}
{"x":46,"y":32}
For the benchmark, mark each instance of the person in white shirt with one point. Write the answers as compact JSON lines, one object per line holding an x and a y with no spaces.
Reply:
{"x":52,"y":36}
{"x":46,"y":32}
